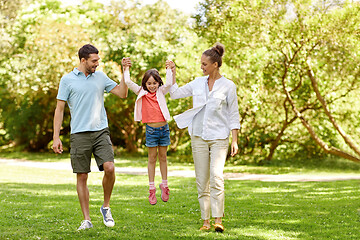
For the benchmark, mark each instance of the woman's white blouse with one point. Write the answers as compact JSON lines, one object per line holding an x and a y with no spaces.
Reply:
{"x":221,"y":113}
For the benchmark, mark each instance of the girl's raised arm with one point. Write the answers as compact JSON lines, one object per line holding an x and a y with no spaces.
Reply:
{"x":170,"y":64}
{"x":169,"y":77}
{"x":126,"y":62}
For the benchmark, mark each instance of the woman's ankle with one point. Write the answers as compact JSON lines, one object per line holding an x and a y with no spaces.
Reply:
{"x":206,"y":223}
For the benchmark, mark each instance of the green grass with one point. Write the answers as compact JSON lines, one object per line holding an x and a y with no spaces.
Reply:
{"x":42,"y":204}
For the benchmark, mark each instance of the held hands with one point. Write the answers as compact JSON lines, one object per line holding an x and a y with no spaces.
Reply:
{"x":170,"y":64}
{"x":126,"y":63}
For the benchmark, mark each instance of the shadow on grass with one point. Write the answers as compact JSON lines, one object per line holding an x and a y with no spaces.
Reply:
{"x":254,"y":210}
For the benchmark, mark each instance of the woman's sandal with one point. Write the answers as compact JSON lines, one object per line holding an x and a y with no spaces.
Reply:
{"x":218,"y":227}
{"x":205,"y":228}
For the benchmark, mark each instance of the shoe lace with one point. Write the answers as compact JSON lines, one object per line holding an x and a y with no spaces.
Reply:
{"x":152,"y":194}
{"x":108,"y":215}
{"x":83,"y":224}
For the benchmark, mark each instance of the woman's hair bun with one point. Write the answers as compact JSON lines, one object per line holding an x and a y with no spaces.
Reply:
{"x":215,"y":53}
{"x":219,"y":48}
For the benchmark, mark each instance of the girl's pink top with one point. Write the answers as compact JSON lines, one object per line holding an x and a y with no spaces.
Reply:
{"x":160,"y":95}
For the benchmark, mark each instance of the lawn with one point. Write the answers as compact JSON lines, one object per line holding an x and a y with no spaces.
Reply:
{"x":42,"y":204}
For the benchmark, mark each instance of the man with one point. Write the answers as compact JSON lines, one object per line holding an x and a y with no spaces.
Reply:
{"x":83,"y":90}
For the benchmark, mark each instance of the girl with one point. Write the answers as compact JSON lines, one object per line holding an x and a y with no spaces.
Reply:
{"x":150,"y":108}
{"x":214,"y":114}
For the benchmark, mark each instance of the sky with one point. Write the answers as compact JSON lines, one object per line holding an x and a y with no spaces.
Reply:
{"x":187,"y":6}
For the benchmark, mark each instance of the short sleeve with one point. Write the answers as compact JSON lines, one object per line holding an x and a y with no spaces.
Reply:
{"x":64,"y":91}
{"x":109,"y":84}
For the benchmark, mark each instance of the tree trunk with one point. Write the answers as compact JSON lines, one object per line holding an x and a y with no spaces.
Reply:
{"x":129,"y":133}
{"x":275,"y":143}
{"x":346,"y":137}
{"x":322,"y":144}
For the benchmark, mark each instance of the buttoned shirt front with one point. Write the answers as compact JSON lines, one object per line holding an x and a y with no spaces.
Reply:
{"x":221,"y":113}
{"x":85,"y":98}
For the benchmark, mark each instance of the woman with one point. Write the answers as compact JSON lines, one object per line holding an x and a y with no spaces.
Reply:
{"x":214,"y":114}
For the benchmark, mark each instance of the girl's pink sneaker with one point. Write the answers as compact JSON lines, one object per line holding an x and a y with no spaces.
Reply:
{"x":165,"y":192}
{"x":152,"y":197}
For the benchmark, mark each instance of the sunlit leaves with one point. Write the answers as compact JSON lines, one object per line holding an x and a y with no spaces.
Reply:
{"x":268,"y":45}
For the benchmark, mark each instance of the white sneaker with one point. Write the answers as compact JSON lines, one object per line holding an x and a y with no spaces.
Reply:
{"x":108,"y":219}
{"x":85,"y":224}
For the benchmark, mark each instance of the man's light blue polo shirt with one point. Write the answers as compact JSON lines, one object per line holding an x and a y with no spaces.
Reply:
{"x":85,"y":97}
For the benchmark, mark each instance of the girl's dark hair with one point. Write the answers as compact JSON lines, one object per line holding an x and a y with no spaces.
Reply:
{"x":151,"y":73}
{"x":215,"y":53}
{"x":86,"y":50}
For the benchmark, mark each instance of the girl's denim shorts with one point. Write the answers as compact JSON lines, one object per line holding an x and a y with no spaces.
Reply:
{"x":157,"y":136}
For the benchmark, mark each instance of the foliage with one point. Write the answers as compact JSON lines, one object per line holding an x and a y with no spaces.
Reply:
{"x":46,"y":38}
{"x":270,"y":46}
{"x":43,"y":49}
{"x":275,"y":42}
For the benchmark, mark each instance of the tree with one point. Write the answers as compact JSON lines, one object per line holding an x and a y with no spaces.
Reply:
{"x":45,"y":39}
{"x":43,"y":47}
{"x":274,"y":43}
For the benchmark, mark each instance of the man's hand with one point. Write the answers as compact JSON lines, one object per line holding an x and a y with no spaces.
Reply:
{"x":57,"y":146}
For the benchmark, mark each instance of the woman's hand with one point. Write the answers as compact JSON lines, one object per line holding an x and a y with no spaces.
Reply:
{"x":169,"y":64}
{"x":234,"y":144}
{"x":234,"y":148}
